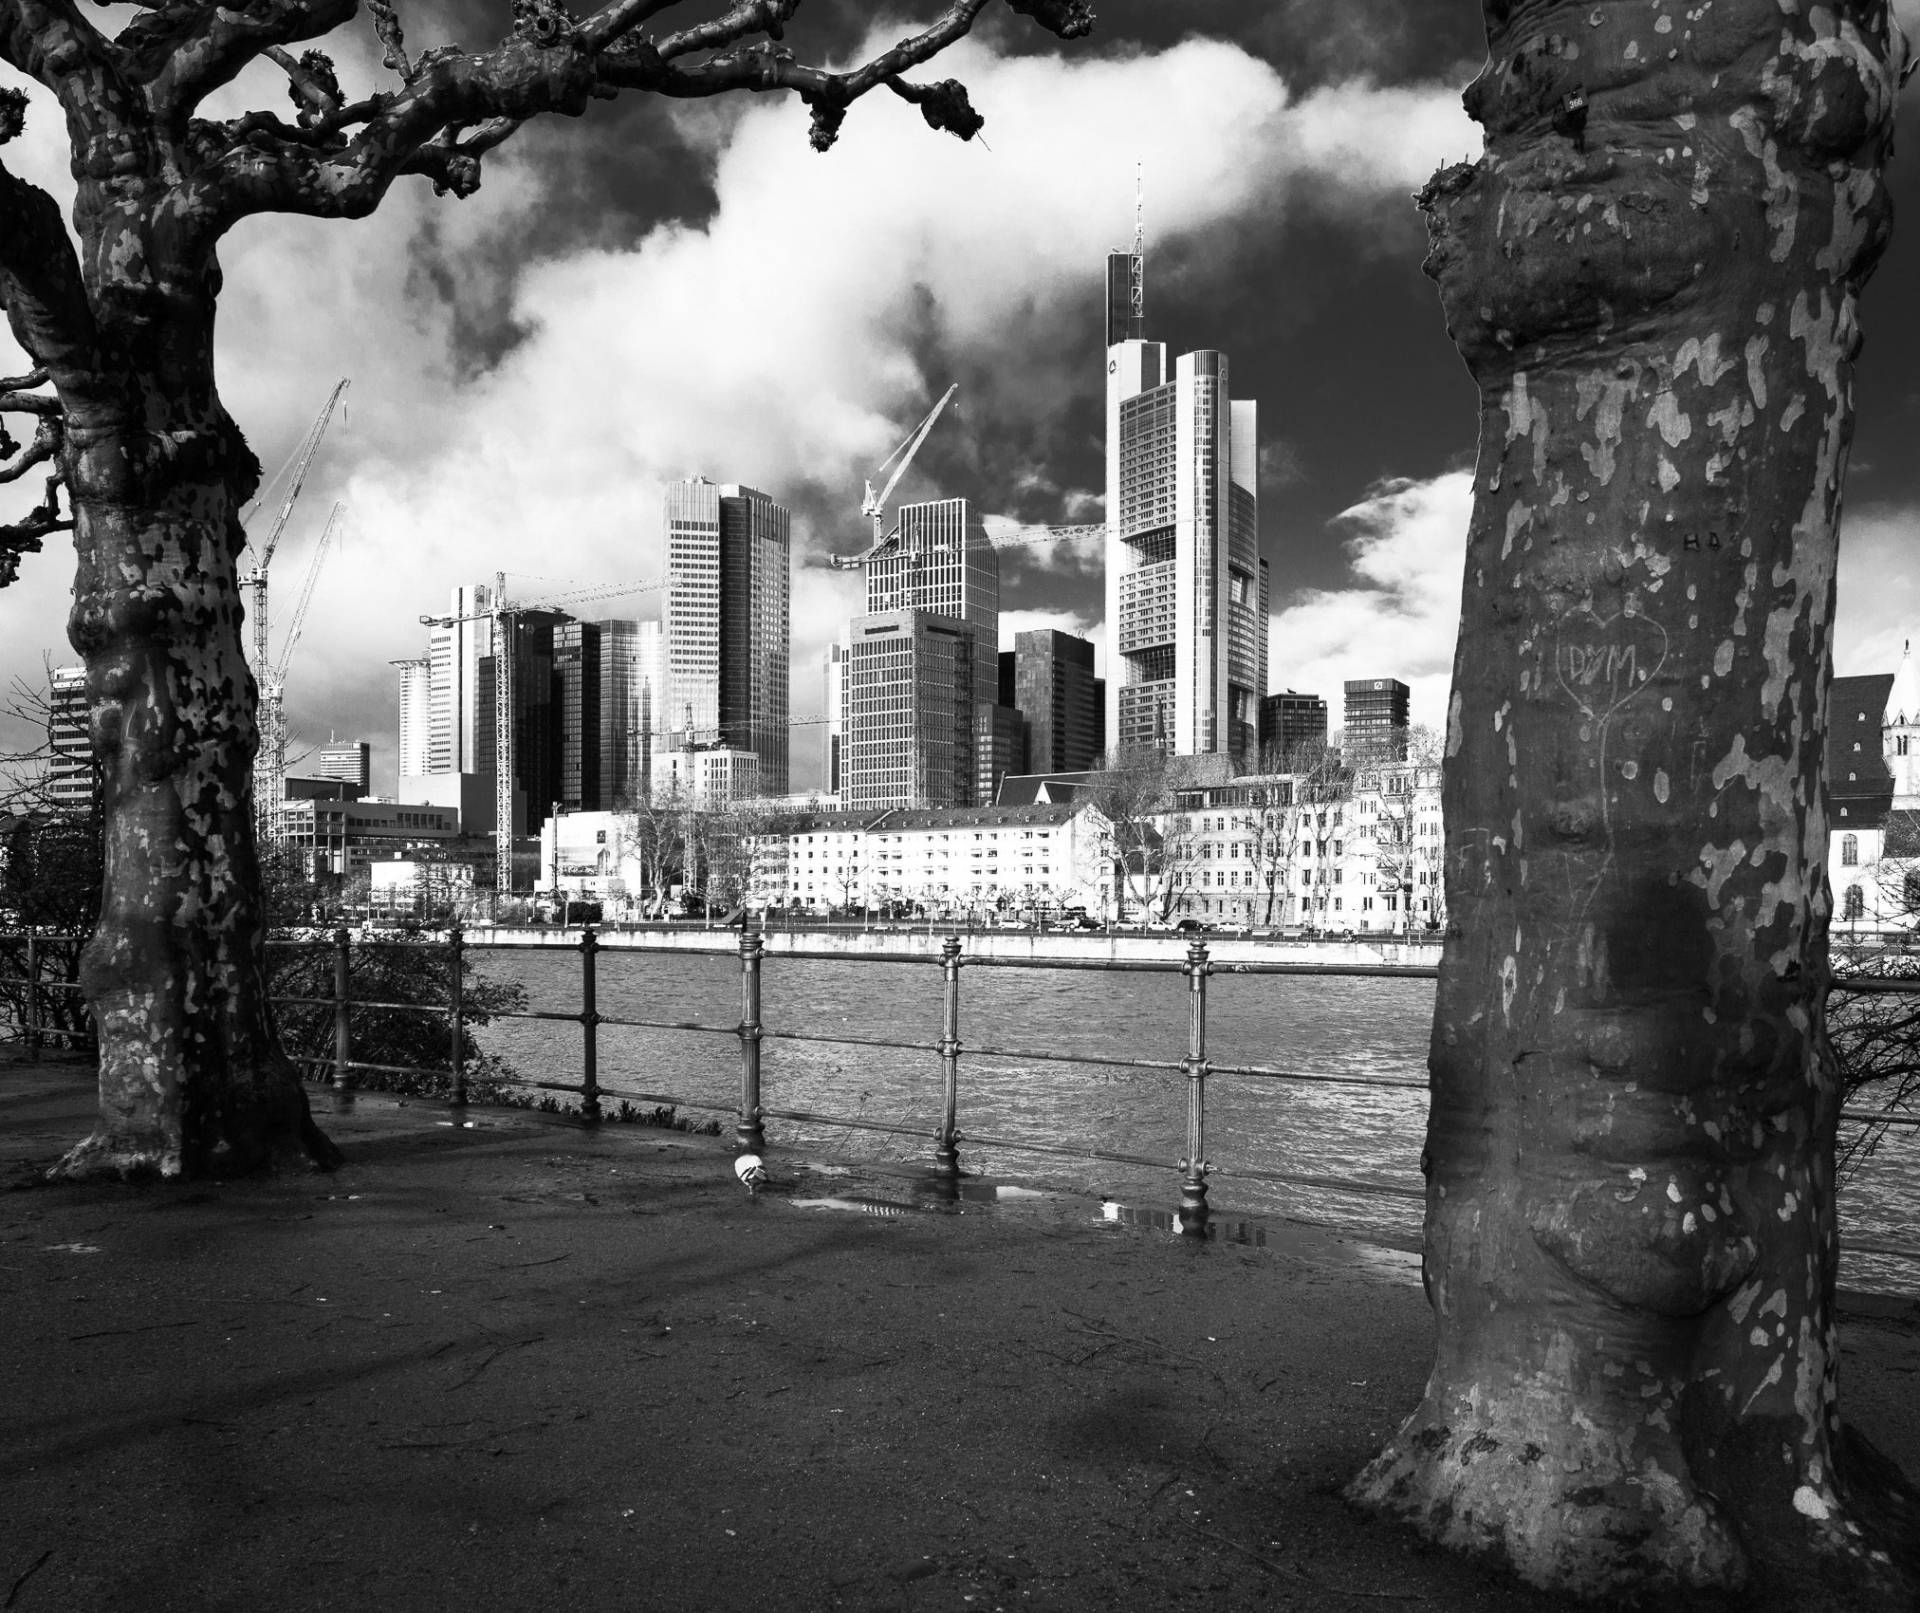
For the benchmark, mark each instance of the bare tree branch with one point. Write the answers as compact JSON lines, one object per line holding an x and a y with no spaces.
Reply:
{"x":53,"y":44}
{"x":23,"y":536}
{"x":48,"y":436}
{"x":45,"y":297}
{"x":456,"y":105}
{"x":188,"y":51}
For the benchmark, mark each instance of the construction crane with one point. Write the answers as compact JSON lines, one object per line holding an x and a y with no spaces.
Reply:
{"x":256,"y":579}
{"x":1000,"y":539}
{"x":270,"y":765}
{"x":874,"y":505}
{"x":503,"y":613}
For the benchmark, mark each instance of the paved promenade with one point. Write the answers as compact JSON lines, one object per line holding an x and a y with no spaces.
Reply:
{"x":527,"y":1366}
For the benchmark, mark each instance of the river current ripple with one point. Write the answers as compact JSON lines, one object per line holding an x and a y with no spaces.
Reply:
{"x":1325,"y":1025}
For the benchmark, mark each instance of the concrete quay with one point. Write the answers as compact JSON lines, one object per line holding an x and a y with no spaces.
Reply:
{"x":520,"y":1364}
{"x":1086,"y":949}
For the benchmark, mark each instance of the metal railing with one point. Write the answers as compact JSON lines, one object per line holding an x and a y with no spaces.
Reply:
{"x":339,"y":1066}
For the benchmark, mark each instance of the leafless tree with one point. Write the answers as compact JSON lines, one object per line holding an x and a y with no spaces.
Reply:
{"x":1133,"y":791}
{"x":143,"y":465}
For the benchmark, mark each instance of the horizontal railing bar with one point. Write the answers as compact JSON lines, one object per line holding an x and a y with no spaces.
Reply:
{"x":1877,"y":985}
{"x":1266,"y":1073}
{"x":1848,"y":1247}
{"x":1070,"y":1153}
{"x":1337,"y":1184}
{"x":670,"y":1101}
{"x":1868,"y":1117}
{"x":845,"y":1041}
{"x":671,"y":1025}
{"x":357,"y":1064}
{"x":1073,"y":1058}
{"x":839,"y":1120}
{"x":361,"y":1002}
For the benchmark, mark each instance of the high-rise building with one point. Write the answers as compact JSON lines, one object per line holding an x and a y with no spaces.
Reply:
{"x":577,"y":673}
{"x":833,"y":671}
{"x":938,"y":558}
{"x":938,"y":567}
{"x":726,"y":621}
{"x":1376,"y":721}
{"x":649,"y":704}
{"x":72,"y":777}
{"x":1186,"y":597}
{"x":619,"y":713}
{"x":999,"y":748}
{"x":1290,"y":723}
{"x":1048,"y":678}
{"x":416,"y":695}
{"x":909,"y":734}
{"x":454,"y":654}
{"x":350,"y":760}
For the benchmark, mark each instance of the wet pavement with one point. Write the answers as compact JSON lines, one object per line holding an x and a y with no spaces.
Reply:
{"x":523,"y":1364}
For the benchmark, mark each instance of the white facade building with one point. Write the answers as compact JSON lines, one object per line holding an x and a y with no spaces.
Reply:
{"x":1366,"y":855}
{"x":963,"y":861}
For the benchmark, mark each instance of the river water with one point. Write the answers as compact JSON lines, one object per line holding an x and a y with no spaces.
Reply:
{"x":1324,"y":1025}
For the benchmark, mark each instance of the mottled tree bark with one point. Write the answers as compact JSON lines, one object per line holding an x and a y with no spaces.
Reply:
{"x":1631,"y":1244}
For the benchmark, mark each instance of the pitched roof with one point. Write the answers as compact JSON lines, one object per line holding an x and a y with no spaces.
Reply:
{"x":1034,"y":789}
{"x":1858,"y":782}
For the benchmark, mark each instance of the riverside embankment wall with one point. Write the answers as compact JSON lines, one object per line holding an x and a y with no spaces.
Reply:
{"x":1009,"y":946}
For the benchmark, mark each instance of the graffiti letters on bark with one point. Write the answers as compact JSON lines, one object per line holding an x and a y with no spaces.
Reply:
{"x":1604,"y":663}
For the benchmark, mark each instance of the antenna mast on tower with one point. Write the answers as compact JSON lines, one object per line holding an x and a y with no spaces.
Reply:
{"x":1137,"y":291}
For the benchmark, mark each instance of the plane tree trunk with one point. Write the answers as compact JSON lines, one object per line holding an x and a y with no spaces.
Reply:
{"x":192,"y":1076}
{"x":1630,"y":1243}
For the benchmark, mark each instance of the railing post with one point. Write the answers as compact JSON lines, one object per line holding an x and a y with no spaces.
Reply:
{"x":947,"y":1153}
{"x":749,"y":1134}
{"x":589,"y":1030}
{"x":1193,"y":1186}
{"x":33,"y":990}
{"x":457,"y":1011}
{"x":342,"y":1027}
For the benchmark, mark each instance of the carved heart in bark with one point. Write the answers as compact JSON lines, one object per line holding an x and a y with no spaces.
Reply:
{"x":1604,"y":661}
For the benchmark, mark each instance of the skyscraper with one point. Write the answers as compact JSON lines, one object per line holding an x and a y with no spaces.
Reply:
{"x":1048,"y":678}
{"x":833,"y":669}
{"x":1376,"y":721}
{"x":1186,"y":587}
{"x":350,"y":760}
{"x":619,"y":715}
{"x":938,"y":558}
{"x":72,"y":777}
{"x":577,"y":671}
{"x":909,"y":735}
{"x":726,"y":625}
{"x":1290,"y":724}
{"x":933,"y":594}
{"x":416,"y":694}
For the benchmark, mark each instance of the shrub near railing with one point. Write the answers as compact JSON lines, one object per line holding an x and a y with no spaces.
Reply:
{"x":400,"y":989}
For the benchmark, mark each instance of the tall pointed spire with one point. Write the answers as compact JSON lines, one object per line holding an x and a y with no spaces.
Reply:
{"x":1903,"y":699}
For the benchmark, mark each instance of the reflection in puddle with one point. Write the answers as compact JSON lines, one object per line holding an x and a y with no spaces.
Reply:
{"x":880,"y":1207}
{"x":1214,"y":1229}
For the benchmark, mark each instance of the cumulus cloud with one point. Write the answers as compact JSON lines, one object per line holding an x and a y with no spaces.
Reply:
{"x":1399,"y":616}
{"x":783,"y":342}
{"x":1877,"y":610}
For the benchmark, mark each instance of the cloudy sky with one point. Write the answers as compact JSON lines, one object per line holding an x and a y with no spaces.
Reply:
{"x":659,"y":290}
